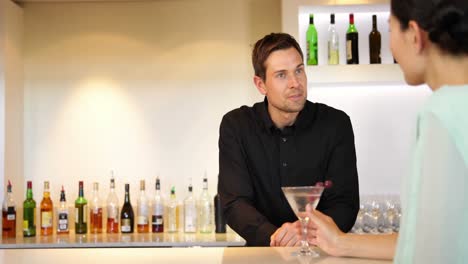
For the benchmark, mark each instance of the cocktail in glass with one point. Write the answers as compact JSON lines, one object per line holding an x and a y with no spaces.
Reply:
{"x":298,"y":198}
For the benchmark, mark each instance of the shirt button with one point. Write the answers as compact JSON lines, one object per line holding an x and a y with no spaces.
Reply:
{"x":285,"y":164}
{"x":284,"y":139}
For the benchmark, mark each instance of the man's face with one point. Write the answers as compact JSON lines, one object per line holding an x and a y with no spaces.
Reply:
{"x":285,"y":84}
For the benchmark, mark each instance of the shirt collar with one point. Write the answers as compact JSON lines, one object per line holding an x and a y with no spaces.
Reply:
{"x":303,"y":119}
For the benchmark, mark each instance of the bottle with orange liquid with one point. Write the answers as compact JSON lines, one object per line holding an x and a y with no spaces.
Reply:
{"x":47,"y":211}
{"x":95,"y":211}
{"x":9,"y":215}
{"x":112,"y":208}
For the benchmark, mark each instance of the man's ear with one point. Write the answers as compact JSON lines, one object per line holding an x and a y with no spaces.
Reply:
{"x":260,"y":84}
{"x":419,"y":37}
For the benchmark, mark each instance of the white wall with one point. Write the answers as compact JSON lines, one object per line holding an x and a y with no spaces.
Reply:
{"x":136,"y":87}
{"x":11,"y":98}
{"x":384,"y":124}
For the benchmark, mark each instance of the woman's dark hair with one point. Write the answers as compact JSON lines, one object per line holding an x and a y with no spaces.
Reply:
{"x":267,"y":45}
{"x":446,"y":21}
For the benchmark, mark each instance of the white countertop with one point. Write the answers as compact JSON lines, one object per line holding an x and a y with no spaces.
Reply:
{"x":105,"y":240}
{"x":235,"y":255}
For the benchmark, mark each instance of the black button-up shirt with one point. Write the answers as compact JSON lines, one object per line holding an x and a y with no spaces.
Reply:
{"x":256,"y":159}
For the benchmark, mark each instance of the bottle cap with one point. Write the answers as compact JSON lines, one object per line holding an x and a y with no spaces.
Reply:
{"x":29,"y":184}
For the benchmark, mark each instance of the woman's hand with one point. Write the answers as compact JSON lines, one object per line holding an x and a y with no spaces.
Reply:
{"x":323,"y":232}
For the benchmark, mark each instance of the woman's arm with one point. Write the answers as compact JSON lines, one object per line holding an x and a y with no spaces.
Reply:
{"x":327,"y":236}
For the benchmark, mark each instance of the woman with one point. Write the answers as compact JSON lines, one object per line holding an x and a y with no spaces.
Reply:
{"x":429,"y":39}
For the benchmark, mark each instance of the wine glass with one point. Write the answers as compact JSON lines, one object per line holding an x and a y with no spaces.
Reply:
{"x":298,"y":198}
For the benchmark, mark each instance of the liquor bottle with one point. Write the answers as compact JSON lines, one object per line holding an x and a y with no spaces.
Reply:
{"x":95,"y":211}
{"x":220,"y":221}
{"x":63,"y":224}
{"x":112,"y":208}
{"x":9,"y":214}
{"x":333,"y":43}
{"x":158,"y":210}
{"x":142,"y":210}
{"x":205,"y":209}
{"x":172,"y":213}
{"x":312,"y":41}
{"x":352,"y":44}
{"x":374,"y":43}
{"x":29,"y":213}
{"x":46,"y":212}
{"x":126,"y":217}
{"x":81,"y":210}
{"x":190,"y":212}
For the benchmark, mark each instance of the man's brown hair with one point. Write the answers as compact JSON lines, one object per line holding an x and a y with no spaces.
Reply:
{"x":267,"y":45}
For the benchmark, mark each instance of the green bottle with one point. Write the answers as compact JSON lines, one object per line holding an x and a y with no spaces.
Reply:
{"x":81,"y":211}
{"x":29,"y":213}
{"x":312,"y":41}
{"x":352,"y":44}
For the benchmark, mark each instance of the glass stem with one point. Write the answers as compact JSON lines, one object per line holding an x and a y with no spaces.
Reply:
{"x":304,"y":244}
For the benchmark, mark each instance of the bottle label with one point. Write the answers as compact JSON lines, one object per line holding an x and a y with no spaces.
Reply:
{"x":157,"y":219}
{"x":11,"y":217}
{"x":46,"y":219}
{"x":142,"y":220}
{"x":26,"y":225}
{"x":82,"y":217}
{"x":62,"y":221}
{"x":349,"y":52}
{"x":126,"y":225}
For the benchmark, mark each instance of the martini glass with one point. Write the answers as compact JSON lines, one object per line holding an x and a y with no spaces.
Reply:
{"x":298,"y":198}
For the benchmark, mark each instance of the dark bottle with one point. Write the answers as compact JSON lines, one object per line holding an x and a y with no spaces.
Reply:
{"x":81,"y":211}
{"x":29,"y":213}
{"x":220,"y":221}
{"x":352,"y":44}
{"x":126,"y":217}
{"x":375,"y":43}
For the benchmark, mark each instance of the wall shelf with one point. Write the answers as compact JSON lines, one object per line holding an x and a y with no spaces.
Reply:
{"x":339,"y":75}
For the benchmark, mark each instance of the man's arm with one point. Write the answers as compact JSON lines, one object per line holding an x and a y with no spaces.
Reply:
{"x":341,"y":202}
{"x":235,"y":188}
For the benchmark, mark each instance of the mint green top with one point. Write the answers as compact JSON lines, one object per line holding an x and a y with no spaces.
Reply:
{"x":434,"y":226}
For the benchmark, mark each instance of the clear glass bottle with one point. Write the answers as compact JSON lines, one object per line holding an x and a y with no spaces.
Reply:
{"x":29,"y":213}
{"x":47,"y":212}
{"x":158,"y":210}
{"x":112,"y":208}
{"x":205,"y":209}
{"x":63,"y":224}
{"x":142,"y":210}
{"x":9,"y":214}
{"x":172,"y":213}
{"x":81,"y":211}
{"x":190,"y":212}
{"x":95,"y":211}
{"x":333,"y":43}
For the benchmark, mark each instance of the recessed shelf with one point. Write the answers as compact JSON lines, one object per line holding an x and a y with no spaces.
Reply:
{"x":354,"y":74}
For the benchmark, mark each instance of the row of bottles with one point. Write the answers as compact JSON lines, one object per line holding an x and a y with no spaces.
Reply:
{"x":151,"y":214}
{"x":351,"y":43}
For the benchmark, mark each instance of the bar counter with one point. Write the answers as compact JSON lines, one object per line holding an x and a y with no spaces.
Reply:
{"x":229,"y":255}
{"x":105,"y":240}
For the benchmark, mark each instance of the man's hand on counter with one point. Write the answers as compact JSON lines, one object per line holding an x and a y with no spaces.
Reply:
{"x":288,"y":235}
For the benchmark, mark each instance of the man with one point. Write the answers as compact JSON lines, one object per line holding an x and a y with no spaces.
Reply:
{"x":284,"y":141}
